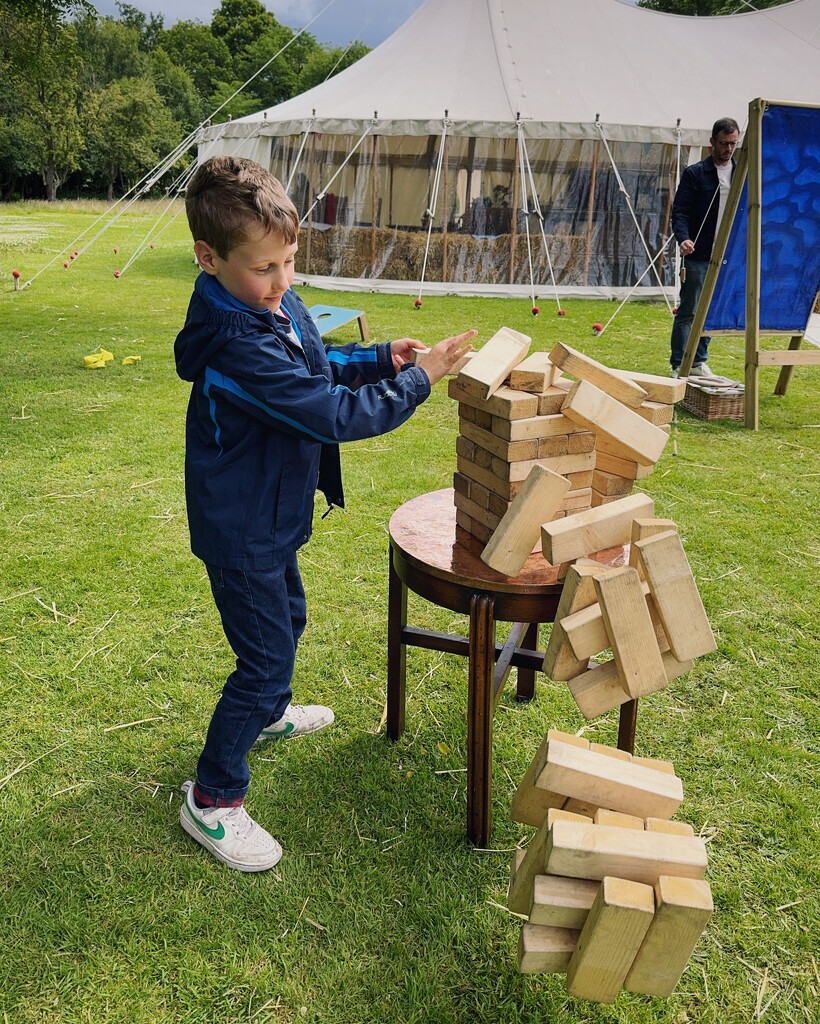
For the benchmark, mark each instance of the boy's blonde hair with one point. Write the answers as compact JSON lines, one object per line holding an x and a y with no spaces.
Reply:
{"x":229,"y":196}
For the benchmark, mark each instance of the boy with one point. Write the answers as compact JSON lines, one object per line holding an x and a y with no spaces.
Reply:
{"x":268,"y":406}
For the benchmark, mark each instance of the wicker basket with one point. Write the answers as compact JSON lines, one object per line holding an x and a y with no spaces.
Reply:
{"x":714,"y":403}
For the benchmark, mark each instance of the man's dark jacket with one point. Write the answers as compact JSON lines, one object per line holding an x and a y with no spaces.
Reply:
{"x":694,"y":214}
{"x":264,"y":412}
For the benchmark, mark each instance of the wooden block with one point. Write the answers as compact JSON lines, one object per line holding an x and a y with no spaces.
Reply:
{"x":621,"y":467}
{"x":538,"y":427}
{"x":590,"y":370}
{"x":578,"y":593}
{"x":658,"y":389}
{"x":535,"y":374}
{"x":586,"y":630}
{"x":603,"y":816}
{"x":469,"y":450}
{"x":594,"y":530}
{"x":656,"y":763}
{"x":607,"y":751}
{"x":505,"y":403}
{"x":531,"y":803}
{"x":545,"y":950}
{"x":550,"y":447}
{"x":473,"y":527}
{"x":575,"y":850}
{"x":643,"y":528}
{"x":683,"y":907}
{"x":562,"y":902}
{"x":513,"y":540}
{"x":625,"y":434}
{"x":656,"y":412}
{"x":563,"y":464}
{"x":510,"y":451}
{"x":576,"y":501}
{"x":670,"y":828}
{"x":607,"y":782}
{"x":582,"y":441}
{"x":597,"y":499}
{"x":631,"y":633}
{"x":461,"y":484}
{"x":580,"y":808}
{"x":481,"y":515}
{"x":599,"y":689}
{"x":610,"y":483}
{"x":605,"y":445}
{"x":676,"y":596}
{"x":519,"y":896}
{"x":550,"y":402}
{"x":609,"y":942}
{"x":503,"y":488}
{"x":579,"y":480}
{"x":490,"y":364}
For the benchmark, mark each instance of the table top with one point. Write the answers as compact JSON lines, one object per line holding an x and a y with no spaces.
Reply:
{"x":424,"y":531}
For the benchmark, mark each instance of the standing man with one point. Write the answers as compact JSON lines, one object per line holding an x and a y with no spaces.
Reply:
{"x":696,"y":213}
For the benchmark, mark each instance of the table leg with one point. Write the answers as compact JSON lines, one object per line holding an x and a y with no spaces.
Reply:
{"x":396,"y":652}
{"x":525,"y":689}
{"x":480,"y":719}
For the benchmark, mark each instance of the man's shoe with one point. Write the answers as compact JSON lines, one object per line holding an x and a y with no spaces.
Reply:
{"x":298,"y":720}
{"x":230,"y":834}
{"x":701,"y":370}
{"x":675,"y":372}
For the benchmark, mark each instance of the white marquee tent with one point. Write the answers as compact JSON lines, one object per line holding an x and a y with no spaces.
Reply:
{"x":489,"y":143}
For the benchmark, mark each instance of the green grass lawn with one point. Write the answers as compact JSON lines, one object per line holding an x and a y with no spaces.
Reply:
{"x":111,"y":659}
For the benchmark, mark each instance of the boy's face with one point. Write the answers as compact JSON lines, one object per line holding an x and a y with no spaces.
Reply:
{"x":258,"y":272}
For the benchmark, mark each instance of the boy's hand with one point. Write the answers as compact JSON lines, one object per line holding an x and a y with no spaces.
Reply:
{"x":445,"y":355}
{"x":403,"y":349}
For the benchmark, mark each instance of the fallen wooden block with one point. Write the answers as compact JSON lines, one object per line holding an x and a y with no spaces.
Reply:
{"x":530,"y":803}
{"x":671,"y":828}
{"x":643,"y":528}
{"x":603,"y":816}
{"x":545,"y":950}
{"x":550,"y":402}
{"x":587,"y":633}
{"x":612,"y":935}
{"x":600,"y":689}
{"x":658,"y":389}
{"x":676,"y":596}
{"x":504,"y":403}
{"x":577,"y":850}
{"x":607,"y":782}
{"x":631,"y":633}
{"x":535,"y":374}
{"x":656,"y":412}
{"x":492,"y":363}
{"x":624,"y":433}
{"x":578,"y":593}
{"x":610,"y":483}
{"x":683,"y":907}
{"x":562,"y":902}
{"x":594,"y":530}
{"x":517,"y":533}
{"x":585,"y":369}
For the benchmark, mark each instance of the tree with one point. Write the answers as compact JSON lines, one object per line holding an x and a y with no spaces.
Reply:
{"x":131,"y":131}
{"x":177,"y":90}
{"x":149,"y":28}
{"x":707,"y":7}
{"x":110,"y":50}
{"x":239,"y":22}
{"x":325,"y":62}
{"x":194,"y":47}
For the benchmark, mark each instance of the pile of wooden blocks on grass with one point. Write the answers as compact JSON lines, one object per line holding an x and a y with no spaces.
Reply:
{"x":585,"y":442}
{"x":612,"y":888}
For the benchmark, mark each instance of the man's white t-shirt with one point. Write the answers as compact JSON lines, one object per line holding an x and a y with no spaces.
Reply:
{"x":724,"y":173}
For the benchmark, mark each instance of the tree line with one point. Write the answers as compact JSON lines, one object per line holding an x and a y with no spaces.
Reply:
{"x":89,"y":104}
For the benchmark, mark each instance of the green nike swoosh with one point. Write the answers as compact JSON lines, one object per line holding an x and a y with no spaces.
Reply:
{"x":289,"y":727}
{"x":214,"y":833}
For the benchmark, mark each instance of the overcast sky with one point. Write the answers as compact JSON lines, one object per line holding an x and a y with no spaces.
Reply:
{"x":372,"y":21}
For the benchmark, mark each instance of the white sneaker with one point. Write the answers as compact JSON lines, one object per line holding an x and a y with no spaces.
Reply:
{"x":701,"y":370}
{"x":230,"y":834}
{"x":298,"y":720}
{"x":675,"y":372}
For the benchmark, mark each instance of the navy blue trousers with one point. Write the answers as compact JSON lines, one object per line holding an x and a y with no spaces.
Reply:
{"x":263,"y":615}
{"x":690,"y":289}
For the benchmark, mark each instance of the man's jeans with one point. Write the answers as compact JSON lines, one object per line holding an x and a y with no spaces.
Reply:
{"x":263,"y":615}
{"x":690,"y":290}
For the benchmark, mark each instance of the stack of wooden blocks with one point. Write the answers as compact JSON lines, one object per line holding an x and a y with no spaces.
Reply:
{"x":575,"y":445}
{"x":612,"y":888}
{"x":510,"y":421}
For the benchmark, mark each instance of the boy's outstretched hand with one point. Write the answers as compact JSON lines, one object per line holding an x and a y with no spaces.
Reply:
{"x":443,"y":356}
{"x":403,"y":349}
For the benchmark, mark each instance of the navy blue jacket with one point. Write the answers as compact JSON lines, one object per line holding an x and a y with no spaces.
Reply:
{"x":262,"y":414}
{"x":693,"y":207}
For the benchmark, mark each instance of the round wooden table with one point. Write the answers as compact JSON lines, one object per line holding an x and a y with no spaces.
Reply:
{"x":433,"y":557}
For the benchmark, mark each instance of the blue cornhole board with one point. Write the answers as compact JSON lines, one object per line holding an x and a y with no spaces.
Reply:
{"x":328,"y":318}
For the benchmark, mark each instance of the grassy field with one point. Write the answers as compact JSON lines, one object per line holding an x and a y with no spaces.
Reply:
{"x":111,"y":658}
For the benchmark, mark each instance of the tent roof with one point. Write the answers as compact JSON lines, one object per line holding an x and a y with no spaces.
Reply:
{"x":559,"y":63}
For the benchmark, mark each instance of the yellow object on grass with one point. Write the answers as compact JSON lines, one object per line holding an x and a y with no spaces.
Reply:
{"x":98,"y":359}
{"x":131,"y":360}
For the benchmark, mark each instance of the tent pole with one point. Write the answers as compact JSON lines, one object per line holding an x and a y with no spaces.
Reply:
{"x":514,"y":210}
{"x":445,"y":208}
{"x":590,"y":207}
{"x":310,"y":201}
{"x":755,"y":173}
{"x":667,"y":217}
{"x":374,"y":203}
{"x":467,"y":219}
